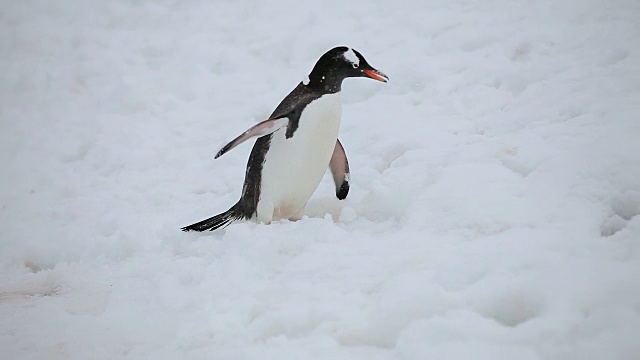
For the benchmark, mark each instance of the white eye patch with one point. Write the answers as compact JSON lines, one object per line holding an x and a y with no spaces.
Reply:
{"x":351,"y":57}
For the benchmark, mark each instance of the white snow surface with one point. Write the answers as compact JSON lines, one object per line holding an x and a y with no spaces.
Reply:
{"x":494,"y":210}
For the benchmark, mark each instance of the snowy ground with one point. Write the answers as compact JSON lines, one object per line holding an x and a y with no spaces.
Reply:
{"x":495,"y":203}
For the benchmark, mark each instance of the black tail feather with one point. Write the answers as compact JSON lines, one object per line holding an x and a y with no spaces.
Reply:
{"x":218,"y":221}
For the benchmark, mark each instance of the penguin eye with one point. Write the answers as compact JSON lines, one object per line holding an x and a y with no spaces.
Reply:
{"x":355,"y":66}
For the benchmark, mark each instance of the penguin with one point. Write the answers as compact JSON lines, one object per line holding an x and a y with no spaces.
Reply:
{"x":295,"y":145}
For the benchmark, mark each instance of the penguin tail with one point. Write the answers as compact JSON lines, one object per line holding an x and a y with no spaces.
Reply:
{"x":218,"y":221}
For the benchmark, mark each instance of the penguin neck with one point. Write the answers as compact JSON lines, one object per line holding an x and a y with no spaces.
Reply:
{"x":326,"y":84}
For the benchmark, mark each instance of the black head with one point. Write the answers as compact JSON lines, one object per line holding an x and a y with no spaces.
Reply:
{"x":338,"y":64}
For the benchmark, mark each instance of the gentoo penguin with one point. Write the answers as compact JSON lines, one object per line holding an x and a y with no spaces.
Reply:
{"x":295,"y":145}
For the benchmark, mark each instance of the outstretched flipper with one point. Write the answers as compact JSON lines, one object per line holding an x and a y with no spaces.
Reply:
{"x":339,"y":166}
{"x":264,"y":128}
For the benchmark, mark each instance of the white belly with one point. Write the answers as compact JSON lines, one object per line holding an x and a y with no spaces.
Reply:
{"x":294,"y":167}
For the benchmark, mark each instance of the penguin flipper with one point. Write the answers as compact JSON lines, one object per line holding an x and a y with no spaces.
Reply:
{"x":339,"y":166}
{"x":264,"y":128}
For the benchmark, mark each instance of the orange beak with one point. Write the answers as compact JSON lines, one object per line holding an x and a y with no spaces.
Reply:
{"x":376,"y":75}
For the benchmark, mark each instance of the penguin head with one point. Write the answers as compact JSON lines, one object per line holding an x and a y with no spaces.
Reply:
{"x":338,"y":64}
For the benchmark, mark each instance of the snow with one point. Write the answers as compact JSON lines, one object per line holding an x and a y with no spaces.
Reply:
{"x":494,"y":204}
